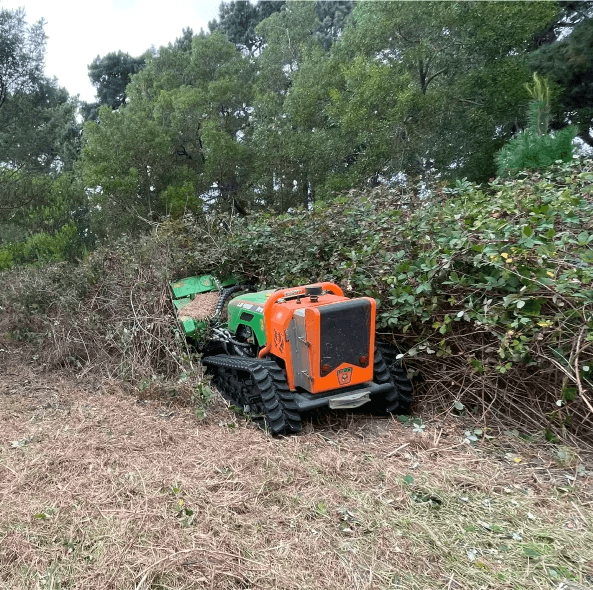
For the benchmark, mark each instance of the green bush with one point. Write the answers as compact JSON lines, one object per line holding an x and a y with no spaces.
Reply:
{"x":6,"y":260}
{"x":528,"y":150}
{"x":502,"y":256}
{"x":40,"y":248}
{"x":534,"y":148}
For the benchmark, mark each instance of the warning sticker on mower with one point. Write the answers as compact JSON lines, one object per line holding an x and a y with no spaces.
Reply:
{"x":345,"y":376}
{"x":279,"y":341}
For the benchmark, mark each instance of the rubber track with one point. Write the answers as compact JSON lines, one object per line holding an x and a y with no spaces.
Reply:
{"x":398,"y":374}
{"x":270,"y":386}
{"x":388,"y":369}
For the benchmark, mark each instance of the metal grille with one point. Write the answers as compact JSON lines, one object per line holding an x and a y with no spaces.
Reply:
{"x":345,"y":333}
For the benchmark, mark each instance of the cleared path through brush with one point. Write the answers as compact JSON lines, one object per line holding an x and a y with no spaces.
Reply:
{"x":101,"y":490}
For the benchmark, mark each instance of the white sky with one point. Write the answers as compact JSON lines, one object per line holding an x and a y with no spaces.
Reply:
{"x":78,"y":31}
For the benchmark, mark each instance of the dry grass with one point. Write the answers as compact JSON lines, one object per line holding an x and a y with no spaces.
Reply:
{"x":100,"y":490}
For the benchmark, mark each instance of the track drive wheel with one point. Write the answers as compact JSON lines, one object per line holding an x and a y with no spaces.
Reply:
{"x":280,"y":411}
{"x":259,"y":387}
{"x":387,"y":369}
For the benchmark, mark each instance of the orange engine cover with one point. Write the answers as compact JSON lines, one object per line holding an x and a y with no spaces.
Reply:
{"x":327,"y":342}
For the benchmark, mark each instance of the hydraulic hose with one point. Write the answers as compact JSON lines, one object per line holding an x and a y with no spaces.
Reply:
{"x":225,"y":294}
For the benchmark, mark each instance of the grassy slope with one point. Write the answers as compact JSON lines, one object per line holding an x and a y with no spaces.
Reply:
{"x":99,"y":490}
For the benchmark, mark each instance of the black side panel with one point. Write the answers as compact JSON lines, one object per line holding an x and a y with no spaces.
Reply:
{"x":345,"y":333}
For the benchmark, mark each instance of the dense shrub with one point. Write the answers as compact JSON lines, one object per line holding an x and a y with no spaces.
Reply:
{"x":487,"y":290}
{"x":535,"y":148}
{"x":41,"y":248}
{"x":530,"y":150}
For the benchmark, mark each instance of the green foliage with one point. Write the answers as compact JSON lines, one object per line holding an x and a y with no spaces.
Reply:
{"x":51,"y":224}
{"x":530,"y":150}
{"x":6,"y":259}
{"x":125,"y":157}
{"x":284,"y":103}
{"x":540,"y":106}
{"x":38,"y":130}
{"x":319,"y":96}
{"x":182,"y":131}
{"x":569,"y":63}
{"x":180,"y":199}
{"x":500,"y":256}
{"x":534,"y":148}
{"x":21,"y":53}
{"x":38,"y":142}
{"x":333,"y":17}
{"x":457,"y":99}
{"x":293,"y":140}
{"x":40,"y":248}
{"x":111,"y":74}
{"x":238,"y":19}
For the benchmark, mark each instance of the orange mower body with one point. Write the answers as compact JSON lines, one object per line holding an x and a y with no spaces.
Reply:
{"x":326,"y":341}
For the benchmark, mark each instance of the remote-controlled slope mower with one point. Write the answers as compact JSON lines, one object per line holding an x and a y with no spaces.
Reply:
{"x":287,"y":351}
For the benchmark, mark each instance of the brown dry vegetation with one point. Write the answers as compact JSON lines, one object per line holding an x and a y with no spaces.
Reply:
{"x":100,"y":489}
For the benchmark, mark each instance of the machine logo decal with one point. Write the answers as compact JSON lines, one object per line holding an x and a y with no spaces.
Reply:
{"x":345,"y":376}
{"x":250,"y":306}
{"x":279,"y":341}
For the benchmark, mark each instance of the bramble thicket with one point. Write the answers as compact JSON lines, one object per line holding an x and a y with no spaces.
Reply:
{"x":435,"y":172}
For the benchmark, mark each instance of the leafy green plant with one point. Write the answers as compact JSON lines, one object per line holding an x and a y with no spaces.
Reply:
{"x":6,"y":259}
{"x":40,"y":248}
{"x":493,"y":280}
{"x":535,"y":148}
{"x":533,"y":151}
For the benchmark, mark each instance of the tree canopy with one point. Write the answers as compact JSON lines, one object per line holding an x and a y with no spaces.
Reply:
{"x":39,"y":137}
{"x":281,"y":104}
{"x":569,"y":63}
{"x":22,"y":50}
{"x":111,"y":74}
{"x":36,"y":115}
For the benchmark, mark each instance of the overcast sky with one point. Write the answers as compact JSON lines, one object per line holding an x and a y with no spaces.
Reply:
{"x":79,"y":31}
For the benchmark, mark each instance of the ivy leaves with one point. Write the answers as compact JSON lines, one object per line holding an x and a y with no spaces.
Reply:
{"x":512,"y":259}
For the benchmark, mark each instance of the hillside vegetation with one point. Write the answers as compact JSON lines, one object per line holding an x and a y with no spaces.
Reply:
{"x":282,"y":104}
{"x":486,"y":289}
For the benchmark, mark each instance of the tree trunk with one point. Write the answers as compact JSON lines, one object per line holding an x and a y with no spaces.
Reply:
{"x":305,"y":195}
